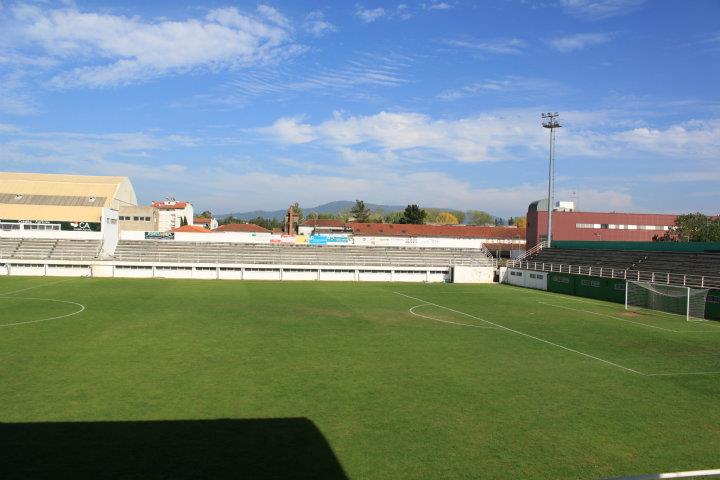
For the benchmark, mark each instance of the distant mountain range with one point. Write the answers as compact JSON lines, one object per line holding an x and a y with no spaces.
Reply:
{"x":332,"y":208}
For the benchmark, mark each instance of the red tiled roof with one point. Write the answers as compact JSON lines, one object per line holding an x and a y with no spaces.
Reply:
{"x":191,"y":228}
{"x":330,"y":222}
{"x":241,"y":227}
{"x":455,"y":231}
{"x":202,"y":220}
{"x":503,"y":247}
{"x":174,"y":206}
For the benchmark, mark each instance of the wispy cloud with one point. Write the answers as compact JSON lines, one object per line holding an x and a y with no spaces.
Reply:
{"x":518,"y":86}
{"x":138,"y":50}
{"x":579,"y":41}
{"x":513,"y":46}
{"x":360,"y":72}
{"x":600,"y":9}
{"x":368,"y":15}
{"x":316,"y":24}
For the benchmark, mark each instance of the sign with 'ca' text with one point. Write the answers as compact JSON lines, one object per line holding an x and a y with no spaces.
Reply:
{"x":66,"y":226}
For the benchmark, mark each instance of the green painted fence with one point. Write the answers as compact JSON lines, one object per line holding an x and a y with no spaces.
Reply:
{"x":611,"y":290}
{"x":645,"y":246}
{"x":608,"y":289}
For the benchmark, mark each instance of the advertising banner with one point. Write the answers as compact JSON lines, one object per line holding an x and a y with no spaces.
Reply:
{"x":275,"y":238}
{"x":301,"y":239}
{"x":329,"y":240}
{"x":159,"y":235}
{"x":64,"y":226}
{"x":287,"y":239}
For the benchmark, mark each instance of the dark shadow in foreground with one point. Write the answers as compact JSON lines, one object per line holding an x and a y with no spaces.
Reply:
{"x":198,"y":449}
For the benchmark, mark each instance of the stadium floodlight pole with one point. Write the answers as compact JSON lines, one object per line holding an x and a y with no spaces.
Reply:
{"x":550,"y":122}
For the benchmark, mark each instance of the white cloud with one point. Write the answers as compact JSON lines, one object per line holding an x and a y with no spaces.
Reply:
{"x":316,"y":25}
{"x":123,"y":50}
{"x":367,"y":15}
{"x":439,"y":6}
{"x":600,"y":9}
{"x":513,"y":46}
{"x":579,"y":41}
{"x":696,"y":139}
{"x":496,"y":136}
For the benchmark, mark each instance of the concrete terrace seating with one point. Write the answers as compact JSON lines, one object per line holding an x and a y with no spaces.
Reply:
{"x":680,"y":263}
{"x":238,"y":253}
{"x":49,"y":249}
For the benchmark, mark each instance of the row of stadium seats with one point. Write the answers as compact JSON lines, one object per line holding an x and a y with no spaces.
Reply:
{"x":48,"y":249}
{"x":201,"y":252}
{"x":682,"y":263}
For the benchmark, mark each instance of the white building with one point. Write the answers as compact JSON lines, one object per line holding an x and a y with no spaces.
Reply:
{"x":172,"y":213}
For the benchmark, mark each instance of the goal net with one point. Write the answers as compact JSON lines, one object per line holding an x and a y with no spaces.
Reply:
{"x":685,"y":301}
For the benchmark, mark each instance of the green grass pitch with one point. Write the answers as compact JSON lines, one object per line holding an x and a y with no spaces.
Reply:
{"x":238,"y":379}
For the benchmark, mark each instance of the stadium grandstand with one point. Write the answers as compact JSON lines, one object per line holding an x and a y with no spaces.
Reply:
{"x":72,"y":225}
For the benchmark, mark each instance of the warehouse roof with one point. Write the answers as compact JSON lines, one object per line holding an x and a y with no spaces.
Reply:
{"x":45,"y":196}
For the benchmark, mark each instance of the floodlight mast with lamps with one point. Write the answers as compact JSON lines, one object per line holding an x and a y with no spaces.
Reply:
{"x":550,"y":122}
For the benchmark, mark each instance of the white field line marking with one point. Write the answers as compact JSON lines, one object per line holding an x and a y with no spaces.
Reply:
{"x":528,"y":335}
{"x":610,"y":316}
{"x":412,"y":310}
{"x":82,"y":308}
{"x":630,"y":321}
{"x":675,"y":374}
{"x":425,"y":302}
{"x":36,"y":286}
{"x":609,"y":305}
{"x":661,"y":476}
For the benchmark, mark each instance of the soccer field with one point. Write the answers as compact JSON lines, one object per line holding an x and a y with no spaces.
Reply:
{"x":231,"y":379}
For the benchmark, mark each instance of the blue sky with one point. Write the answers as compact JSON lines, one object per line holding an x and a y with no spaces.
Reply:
{"x":237,"y":106}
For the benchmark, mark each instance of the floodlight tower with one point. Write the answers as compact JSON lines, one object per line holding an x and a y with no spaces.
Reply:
{"x":550,"y":122}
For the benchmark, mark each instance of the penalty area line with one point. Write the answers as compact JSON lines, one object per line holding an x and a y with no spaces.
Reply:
{"x":539,"y":339}
{"x":628,"y":321}
{"x":527,"y":335}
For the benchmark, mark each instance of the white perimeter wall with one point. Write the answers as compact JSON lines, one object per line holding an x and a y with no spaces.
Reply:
{"x":226,"y":272}
{"x":226,"y":237}
{"x":52,"y":234}
{"x":525,"y":278}
{"x":473,"y":274}
{"x":439,"y":242}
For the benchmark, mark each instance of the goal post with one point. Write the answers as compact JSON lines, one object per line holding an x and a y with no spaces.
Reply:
{"x":685,"y":301}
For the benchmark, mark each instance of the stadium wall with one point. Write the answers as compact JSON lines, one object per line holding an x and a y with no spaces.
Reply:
{"x":599,"y":288}
{"x":105,"y":269}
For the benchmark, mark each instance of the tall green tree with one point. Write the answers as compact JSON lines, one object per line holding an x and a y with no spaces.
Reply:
{"x":360,"y":212}
{"x":413,"y":215}
{"x":479,"y":217}
{"x":297,"y":211}
{"x":695,"y":227}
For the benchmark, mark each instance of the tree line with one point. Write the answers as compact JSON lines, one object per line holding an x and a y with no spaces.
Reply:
{"x":412,"y":214}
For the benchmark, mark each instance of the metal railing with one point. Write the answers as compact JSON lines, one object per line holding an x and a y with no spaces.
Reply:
{"x":679,"y":279}
{"x":537,"y":248}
